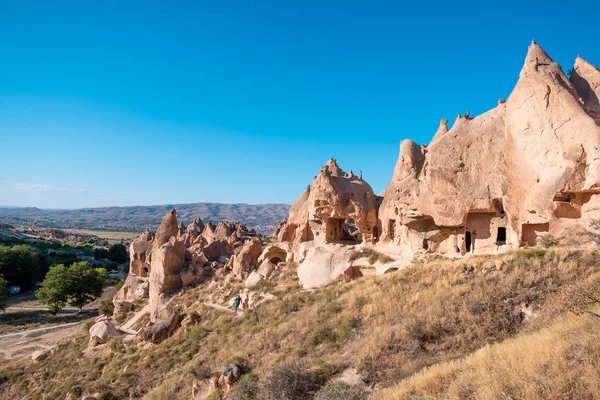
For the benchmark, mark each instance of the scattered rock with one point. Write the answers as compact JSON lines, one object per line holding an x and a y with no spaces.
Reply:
{"x":161,"y":328}
{"x":102,"y":331}
{"x":40,"y":355}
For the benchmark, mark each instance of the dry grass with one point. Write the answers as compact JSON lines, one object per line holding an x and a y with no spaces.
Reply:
{"x":371,"y":255}
{"x":389,"y":327}
{"x":560,"y":362}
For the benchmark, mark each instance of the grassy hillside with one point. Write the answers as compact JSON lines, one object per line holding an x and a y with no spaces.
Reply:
{"x":262,"y":217}
{"x":558,"y":362}
{"x":434,"y":330}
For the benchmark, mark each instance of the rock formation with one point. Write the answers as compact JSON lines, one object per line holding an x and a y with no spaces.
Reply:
{"x":178,"y":256}
{"x":491,"y":182}
{"x":140,"y":251}
{"x":338,"y":207}
{"x":500,"y":179}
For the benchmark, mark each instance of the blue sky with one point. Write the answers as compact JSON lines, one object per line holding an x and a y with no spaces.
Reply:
{"x":129,"y":103}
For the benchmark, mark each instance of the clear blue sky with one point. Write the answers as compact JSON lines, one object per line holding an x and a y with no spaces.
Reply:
{"x":126,"y":103}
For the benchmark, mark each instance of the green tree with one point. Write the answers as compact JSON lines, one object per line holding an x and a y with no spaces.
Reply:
{"x":100,"y":252}
{"x":118,"y":253}
{"x":20,"y":265}
{"x":54,"y":291}
{"x":3,"y":293}
{"x":77,"y":285}
{"x":85,"y":283}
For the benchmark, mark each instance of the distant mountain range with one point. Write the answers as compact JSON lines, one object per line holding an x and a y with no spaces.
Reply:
{"x":262,"y":217}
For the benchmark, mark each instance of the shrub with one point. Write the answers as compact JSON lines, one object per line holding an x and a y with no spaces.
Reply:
{"x":291,"y":382}
{"x":341,"y":390}
{"x":322,"y":334}
{"x":546,"y":241}
{"x":247,"y":388}
{"x":360,"y":302}
{"x":372,"y":255}
{"x":106,"y":307}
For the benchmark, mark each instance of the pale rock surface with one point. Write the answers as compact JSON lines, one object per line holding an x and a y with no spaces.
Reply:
{"x":140,"y":252}
{"x":586,"y":80}
{"x":322,"y":210}
{"x":201,"y":390}
{"x":164,"y":324}
{"x":501,"y":179}
{"x":134,"y":288}
{"x":253,"y":279}
{"x":266,"y":268}
{"x":102,"y":331}
{"x":244,"y":261}
{"x":40,"y":355}
{"x":276,"y":253}
{"x":323,"y":264}
{"x":168,"y":257}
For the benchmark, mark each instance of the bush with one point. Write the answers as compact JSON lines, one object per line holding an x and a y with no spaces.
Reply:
{"x":106,"y":308}
{"x":372,"y":255}
{"x":247,"y":388}
{"x":291,"y":382}
{"x":341,"y":390}
{"x":322,"y":334}
{"x":546,"y":241}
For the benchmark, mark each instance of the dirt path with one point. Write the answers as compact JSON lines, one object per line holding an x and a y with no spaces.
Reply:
{"x":66,"y":310}
{"x":22,"y":344}
{"x":28,"y":332}
{"x":222,"y":308}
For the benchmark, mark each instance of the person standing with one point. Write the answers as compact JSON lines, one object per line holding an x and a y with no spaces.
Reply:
{"x":236,"y":303}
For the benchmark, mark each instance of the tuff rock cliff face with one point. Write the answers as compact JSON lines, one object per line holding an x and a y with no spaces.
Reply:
{"x":490,"y":183}
{"x":338,"y":206}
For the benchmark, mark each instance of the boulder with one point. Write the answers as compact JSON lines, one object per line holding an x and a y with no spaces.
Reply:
{"x":203,"y":389}
{"x":40,"y":355}
{"x":266,"y":268}
{"x":242,"y":265}
{"x":102,"y":331}
{"x":230,"y":372}
{"x":161,"y":328}
{"x":223,"y":259}
{"x":253,"y":248}
{"x":253,"y":279}
{"x":323,"y":264}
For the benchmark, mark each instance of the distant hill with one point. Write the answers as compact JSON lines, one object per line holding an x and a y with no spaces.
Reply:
{"x":262,"y":217}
